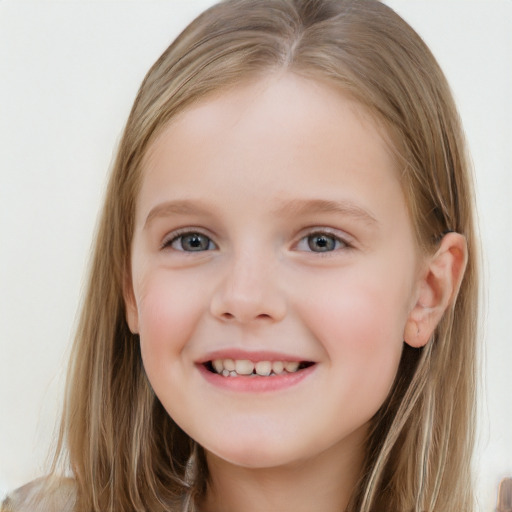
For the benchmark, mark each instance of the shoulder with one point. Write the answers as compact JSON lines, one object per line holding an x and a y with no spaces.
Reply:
{"x":42,"y":495}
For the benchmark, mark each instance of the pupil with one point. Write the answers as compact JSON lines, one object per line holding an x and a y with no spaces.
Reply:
{"x":196,"y":242}
{"x":321,"y":243}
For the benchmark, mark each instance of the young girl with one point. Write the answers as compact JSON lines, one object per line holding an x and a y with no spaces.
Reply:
{"x":282,"y":301}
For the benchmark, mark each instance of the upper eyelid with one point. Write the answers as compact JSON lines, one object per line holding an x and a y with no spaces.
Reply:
{"x":341,"y":235}
{"x":346,"y":241}
{"x":173,"y":235}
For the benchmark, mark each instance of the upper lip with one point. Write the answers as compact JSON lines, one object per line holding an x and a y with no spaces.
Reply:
{"x":254,"y":356}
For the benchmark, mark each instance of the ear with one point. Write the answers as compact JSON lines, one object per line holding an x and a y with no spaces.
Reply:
{"x":437,"y":289}
{"x":130,"y":304}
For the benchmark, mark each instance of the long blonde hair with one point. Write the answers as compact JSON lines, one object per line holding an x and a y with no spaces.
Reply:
{"x":124,"y":450}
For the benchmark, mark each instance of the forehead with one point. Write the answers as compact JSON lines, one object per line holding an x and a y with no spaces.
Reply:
{"x":281,"y":135}
{"x":288,"y":105}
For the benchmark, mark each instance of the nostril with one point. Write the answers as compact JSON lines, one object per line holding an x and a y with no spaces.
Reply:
{"x":233,"y":306}
{"x":231,"y":316}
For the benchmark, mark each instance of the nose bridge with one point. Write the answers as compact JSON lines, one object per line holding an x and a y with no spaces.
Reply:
{"x":249,"y":288}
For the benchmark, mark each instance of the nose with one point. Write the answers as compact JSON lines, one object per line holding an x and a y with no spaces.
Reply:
{"x":249,"y":291}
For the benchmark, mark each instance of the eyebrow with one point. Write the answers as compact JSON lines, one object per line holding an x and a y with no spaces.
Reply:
{"x":345,"y":208}
{"x":177,"y":207}
{"x":295,"y":207}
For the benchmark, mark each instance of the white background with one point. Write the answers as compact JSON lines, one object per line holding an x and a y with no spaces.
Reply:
{"x":69,"y":71}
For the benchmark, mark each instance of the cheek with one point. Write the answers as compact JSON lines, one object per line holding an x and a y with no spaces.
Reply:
{"x":168,"y":314}
{"x":363,"y":314}
{"x":360,"y":326}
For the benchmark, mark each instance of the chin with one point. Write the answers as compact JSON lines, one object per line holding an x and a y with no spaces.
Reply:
{"x":253,"y":458}
{"x":254,"y":452}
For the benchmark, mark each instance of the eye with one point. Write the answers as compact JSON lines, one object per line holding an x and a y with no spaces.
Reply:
{"x":321,"y":242}
{"x":190,"y":242}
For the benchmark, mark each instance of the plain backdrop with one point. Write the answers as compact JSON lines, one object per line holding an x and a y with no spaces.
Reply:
{"x":69,"y":71}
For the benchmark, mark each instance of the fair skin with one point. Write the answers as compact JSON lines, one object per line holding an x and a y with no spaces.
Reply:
{"x":271,"y":230}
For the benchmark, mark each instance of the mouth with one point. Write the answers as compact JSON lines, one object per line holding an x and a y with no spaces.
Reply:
{"x":246,"y":368}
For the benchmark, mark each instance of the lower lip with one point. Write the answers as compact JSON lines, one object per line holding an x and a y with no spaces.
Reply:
{"x":256,"y":383}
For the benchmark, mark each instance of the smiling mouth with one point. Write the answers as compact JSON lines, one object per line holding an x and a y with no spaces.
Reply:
{"x":247,"y":368}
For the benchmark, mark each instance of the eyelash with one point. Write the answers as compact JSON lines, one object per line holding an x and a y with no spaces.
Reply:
{"x":339,"y":242}
{"x":181,"y":234}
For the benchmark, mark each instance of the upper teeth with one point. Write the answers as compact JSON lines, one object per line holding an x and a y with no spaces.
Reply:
{"x":233,"y":367}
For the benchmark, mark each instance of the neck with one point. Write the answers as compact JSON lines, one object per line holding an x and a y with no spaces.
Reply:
{"x":324,"y":482}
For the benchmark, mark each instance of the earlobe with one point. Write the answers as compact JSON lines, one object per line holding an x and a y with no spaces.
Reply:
{"x":131,"y":312}
{"x":437,"y":289}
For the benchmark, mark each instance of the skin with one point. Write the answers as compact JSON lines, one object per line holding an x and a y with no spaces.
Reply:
{"x":239,"y":168}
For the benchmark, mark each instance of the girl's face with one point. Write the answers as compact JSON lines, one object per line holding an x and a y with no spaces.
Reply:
{"x":272,"y":235}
